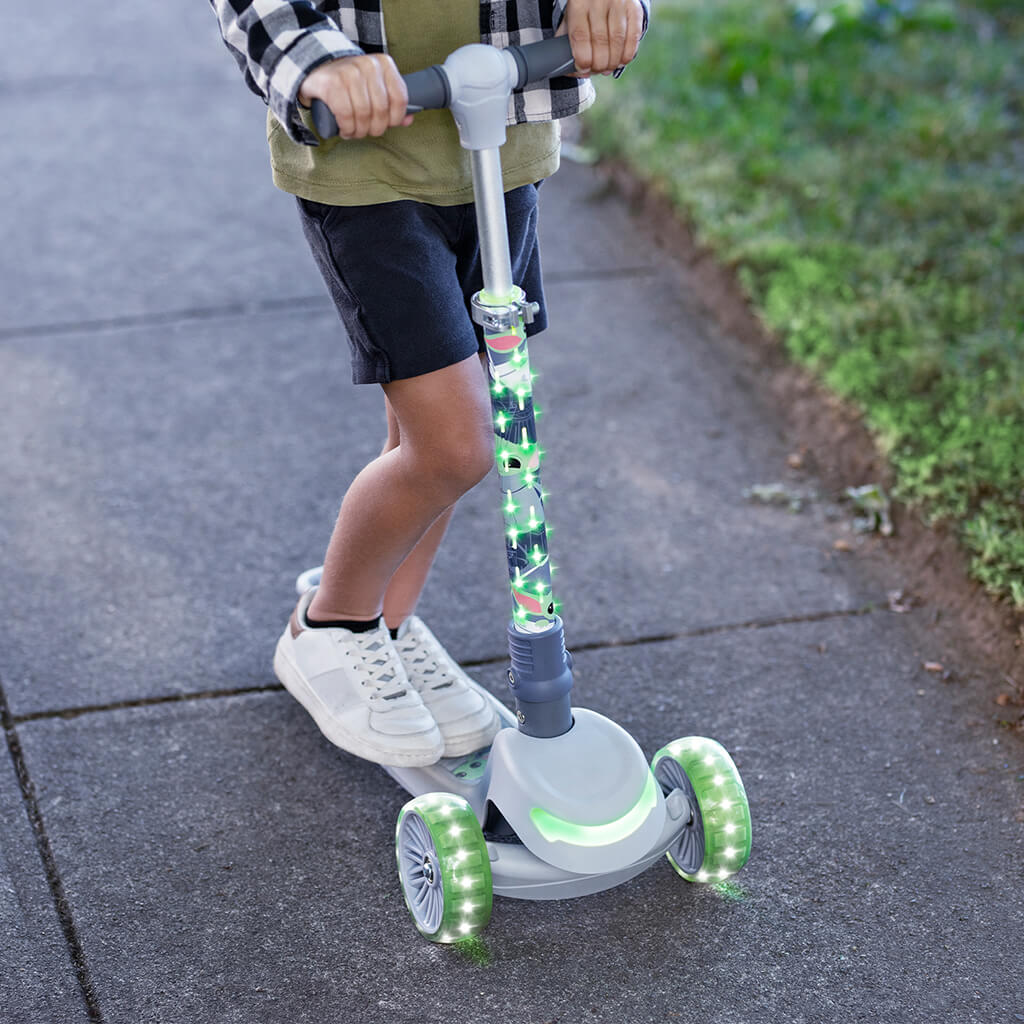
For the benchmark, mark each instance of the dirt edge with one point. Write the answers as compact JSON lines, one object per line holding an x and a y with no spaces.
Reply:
{"x":933,"y":561}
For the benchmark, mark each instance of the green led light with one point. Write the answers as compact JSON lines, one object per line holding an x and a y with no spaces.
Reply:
{"x":558,"y":830}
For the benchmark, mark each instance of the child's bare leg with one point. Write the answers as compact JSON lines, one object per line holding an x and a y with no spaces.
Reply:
{"x":405,"y":496}
{"x":407,"y":584}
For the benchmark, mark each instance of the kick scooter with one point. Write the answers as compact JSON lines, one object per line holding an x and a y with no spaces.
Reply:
{"x":563,"y":802}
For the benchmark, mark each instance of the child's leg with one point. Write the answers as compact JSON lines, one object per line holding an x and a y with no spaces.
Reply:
{"x":407,"y":584}
{"x":403,"y":498}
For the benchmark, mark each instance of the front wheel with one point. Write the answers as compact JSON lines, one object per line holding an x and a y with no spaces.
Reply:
{"x":716,"y":842}
{"x":444,"y":867}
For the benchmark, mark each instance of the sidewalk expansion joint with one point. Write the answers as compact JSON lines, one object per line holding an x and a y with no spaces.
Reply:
{"x":172,"y":317}
{"x":296,"y":304}
{"x":143,"y":702}
{"x":594,"y":645}
{"x":46,"y":855}
{"x":699,"y":631}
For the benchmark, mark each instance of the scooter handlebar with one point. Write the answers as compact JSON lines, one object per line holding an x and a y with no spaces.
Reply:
{"x":537,"y":61}
{"x":429,"y":89}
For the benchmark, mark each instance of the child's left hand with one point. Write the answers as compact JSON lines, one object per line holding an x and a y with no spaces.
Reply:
{"x":604,"y":34}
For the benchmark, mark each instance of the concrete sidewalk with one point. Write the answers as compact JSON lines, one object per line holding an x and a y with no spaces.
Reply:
{"x":180,"y":845}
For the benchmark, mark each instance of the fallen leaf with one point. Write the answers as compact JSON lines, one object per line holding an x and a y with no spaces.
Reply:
{"x":932,"y":666}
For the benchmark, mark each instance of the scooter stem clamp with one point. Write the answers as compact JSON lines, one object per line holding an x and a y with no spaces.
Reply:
{"x":506,"y":316}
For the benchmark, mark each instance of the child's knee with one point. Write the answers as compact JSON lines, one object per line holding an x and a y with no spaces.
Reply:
{"x":469,"y":460}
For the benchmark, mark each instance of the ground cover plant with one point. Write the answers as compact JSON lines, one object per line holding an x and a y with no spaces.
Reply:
{"x":861,"y":164}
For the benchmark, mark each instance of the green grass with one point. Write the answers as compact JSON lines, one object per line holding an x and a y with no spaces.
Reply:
{"x":861,"y":165}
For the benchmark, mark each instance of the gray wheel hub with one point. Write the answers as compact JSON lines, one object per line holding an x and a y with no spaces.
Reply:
{"x":688,"y":850}
{"x":421,"y":873}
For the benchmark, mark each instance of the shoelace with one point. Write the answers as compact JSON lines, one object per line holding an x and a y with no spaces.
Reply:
{"x":416,"y":648}
{"x":380,"y":667}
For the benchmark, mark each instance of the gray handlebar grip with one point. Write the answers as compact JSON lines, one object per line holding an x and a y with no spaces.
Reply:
{"x":428,"y":90}
{"x":545,"y":59}
{"x":323,"y":120}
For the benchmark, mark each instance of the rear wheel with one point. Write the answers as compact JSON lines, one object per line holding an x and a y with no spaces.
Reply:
{"x":716,"y":842}
{"x":444,"y":867}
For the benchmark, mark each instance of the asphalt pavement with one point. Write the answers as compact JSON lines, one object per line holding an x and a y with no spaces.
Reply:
{"x":180,"y":845}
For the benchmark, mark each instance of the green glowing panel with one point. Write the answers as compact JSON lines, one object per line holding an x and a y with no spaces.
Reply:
{"x":558,"y":830}
{"x":490,"y":299}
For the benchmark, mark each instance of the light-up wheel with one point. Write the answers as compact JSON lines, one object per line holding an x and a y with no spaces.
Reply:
{"x":716,"y":842}
{"x":444,"y":867}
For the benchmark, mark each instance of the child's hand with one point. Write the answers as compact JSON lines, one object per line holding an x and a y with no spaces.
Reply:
{"x":604,"y":34}
{"x":366,"y":94}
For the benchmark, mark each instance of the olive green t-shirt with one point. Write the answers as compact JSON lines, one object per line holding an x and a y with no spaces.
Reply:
{"x":424,"y":161}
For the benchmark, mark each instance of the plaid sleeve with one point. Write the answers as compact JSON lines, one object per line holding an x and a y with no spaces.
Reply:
{"x":276,"y":44}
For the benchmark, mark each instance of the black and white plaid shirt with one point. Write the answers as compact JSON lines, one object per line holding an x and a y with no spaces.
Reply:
{"x":278,"y":42}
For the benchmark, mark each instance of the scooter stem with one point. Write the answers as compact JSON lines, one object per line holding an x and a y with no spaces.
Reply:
{"x":540,"y":676}
{"x":492,"y":226}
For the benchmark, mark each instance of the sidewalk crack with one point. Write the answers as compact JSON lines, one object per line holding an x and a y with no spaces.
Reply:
{"x":46,"y":855}
{"x":699,"y":631}
{"x":171,"y":317}
{"x":141,"y":702}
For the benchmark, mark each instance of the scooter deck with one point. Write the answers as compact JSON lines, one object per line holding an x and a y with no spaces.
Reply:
{"x":464,"y":776}
{"x":516,"y":872}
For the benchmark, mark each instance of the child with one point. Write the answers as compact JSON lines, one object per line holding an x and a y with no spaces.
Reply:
{"x":389,"y":218}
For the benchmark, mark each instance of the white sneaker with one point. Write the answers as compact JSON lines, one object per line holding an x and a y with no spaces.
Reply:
{"x":463,"y":710}
{"x":354,"y":686}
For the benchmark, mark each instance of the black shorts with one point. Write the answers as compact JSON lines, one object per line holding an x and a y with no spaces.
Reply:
{"x":402,"y":275}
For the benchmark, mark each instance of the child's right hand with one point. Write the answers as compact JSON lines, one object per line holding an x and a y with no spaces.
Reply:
{"x":365,"y":94}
